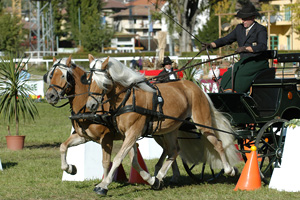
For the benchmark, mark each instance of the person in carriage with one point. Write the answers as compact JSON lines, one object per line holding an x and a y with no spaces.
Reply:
{"x":167,"y":65}
{"x":252,"y":42}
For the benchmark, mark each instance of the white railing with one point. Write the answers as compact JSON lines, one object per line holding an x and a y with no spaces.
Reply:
{"x":125,"y":60}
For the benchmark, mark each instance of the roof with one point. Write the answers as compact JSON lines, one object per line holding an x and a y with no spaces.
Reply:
{"x":146,"y":2}
{"x":113,"y":4}
{"x":120,"y":35}
{"x":139,"y":10}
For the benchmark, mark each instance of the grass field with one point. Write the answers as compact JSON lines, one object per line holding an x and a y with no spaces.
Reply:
{"x":34,"y":173}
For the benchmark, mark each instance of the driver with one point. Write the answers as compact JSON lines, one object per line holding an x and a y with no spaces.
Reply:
{"x":252,"y":41}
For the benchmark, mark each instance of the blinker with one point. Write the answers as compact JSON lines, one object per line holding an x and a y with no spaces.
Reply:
{"x":84,"y":80}
{"x":45,"y":77}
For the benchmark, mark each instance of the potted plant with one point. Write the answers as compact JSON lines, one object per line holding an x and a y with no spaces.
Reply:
{"x":15,"y":104}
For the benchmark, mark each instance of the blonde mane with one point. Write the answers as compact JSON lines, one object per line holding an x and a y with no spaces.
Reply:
{"x":119,"y":73}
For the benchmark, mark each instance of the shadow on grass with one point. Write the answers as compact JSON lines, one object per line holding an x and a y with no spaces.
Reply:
{"x":39,"y":146}
{"x":182,"y":182}
{"x":207,"y":178}
{"x":8,"y":165}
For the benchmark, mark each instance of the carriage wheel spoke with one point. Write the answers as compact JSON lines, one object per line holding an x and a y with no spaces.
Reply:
{"x":192,"y":167}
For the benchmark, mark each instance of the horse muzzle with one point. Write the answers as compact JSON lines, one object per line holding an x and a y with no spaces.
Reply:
{"x":52,"y":97}
{"x":92,"y":104}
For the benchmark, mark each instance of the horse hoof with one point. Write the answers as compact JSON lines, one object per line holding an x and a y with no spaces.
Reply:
{"x":236,"y":171}
{"x":73,"y":169}
{"x":158,"y":185}
{"x":100,"y":191}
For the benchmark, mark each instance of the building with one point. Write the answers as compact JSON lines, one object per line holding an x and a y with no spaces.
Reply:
{"x":282,"y":34}
{"x":135,"y":30}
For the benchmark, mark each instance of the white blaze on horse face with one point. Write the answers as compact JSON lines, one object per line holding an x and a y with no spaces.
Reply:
{"x":63,"y":69}
{"x":98,"y":76}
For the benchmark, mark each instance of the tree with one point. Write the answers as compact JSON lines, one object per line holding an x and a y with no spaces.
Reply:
{"x":59,"y":17}
{"x":185,"y":13}
{"x":86,"y":14}
{"x":72,"y":25}
{"x":296,"y":16}
{"x":209,"y":32}
{"x":11,"y":34}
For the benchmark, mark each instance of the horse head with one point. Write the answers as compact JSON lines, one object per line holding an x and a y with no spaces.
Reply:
{"x":60,"y":80}
{"x":110,"y":77}
{"x":99,"y":81}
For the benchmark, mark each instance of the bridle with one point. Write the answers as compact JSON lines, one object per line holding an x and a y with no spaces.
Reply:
{"x":70,"y":82}
{"x":88,"y":81}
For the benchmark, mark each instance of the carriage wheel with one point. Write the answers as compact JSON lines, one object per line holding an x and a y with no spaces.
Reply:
{"x":192,"y":171}
{"x":270,"y":142}
{"x":197,"y":174}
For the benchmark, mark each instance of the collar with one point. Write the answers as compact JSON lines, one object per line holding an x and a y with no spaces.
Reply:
{"x":249,"y":28}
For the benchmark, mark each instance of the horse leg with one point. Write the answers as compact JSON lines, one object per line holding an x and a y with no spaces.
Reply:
{"x":107,"y":145}
{"x":159,"y":140}
{"x":219,"y":148}
{"x":175,"y":169}
{"x":172,"y":148}
{"x":73,"y":140}
{"x":128,"y":143}
{"x":160,"y":162}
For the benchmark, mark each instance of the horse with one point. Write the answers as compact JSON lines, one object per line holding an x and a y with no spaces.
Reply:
{"x":65,"y":79}
{"x":112,"y":80}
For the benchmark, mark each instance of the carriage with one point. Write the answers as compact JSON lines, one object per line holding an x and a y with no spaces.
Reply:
{"x":258,"y":117}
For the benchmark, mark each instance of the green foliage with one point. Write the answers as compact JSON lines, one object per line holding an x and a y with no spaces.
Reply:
{"x":85,"y":25}
{"x":296,"y":16}
{"x":72,"y":25}
{"x":292,"y":123}
{"x":11,"y":34}
{"x":59,"y":17}
{"x":209,"y":31}
{"x":95,"y":36}
{"x":14,"y":102}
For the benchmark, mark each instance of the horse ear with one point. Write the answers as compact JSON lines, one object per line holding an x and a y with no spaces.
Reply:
{"x":91,"y":58}
{"x":104,"y":64}
{"x":68,"y":63}
{"x":54,"y":59}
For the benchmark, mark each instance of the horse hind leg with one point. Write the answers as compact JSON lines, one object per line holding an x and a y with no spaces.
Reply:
{"x":172,"y":148}
{"x":159,"y":164}
{"x":73,"y":140}
{"x":219,"y":148}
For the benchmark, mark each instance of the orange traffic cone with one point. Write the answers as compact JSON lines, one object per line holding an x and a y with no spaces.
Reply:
{"x":250,"y":176}
{"x":134,"y":176}
{"x":120,"y":174}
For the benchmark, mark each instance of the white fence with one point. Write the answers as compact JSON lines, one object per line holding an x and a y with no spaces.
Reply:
{"x":125,"y":60}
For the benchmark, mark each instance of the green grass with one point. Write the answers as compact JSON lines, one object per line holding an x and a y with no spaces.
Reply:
{"x":34,"y":172}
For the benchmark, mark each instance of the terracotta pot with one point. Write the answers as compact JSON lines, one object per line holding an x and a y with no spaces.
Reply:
{"x":15,"y":142}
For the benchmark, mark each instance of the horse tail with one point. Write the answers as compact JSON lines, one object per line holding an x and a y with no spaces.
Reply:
{"x":203,"y":149}
{"x":221,"y":122}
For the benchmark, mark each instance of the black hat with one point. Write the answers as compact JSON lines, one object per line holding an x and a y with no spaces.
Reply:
{"x":167,"y":61}
{"x":248,"y":10}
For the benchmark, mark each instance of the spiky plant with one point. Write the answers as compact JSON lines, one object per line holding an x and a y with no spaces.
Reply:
{"x":15,"y":103}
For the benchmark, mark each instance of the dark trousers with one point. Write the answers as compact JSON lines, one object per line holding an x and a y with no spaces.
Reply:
{"x":244,"y":73}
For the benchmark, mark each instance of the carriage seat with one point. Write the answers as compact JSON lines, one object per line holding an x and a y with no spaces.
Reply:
{"x":263,"y":92}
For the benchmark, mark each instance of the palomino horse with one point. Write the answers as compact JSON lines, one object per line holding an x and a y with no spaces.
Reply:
{"x":64,"y":78}
{"x":182,"y":99}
